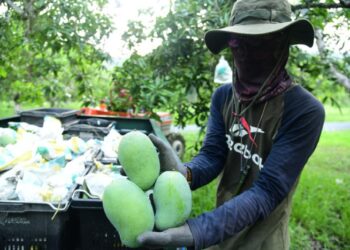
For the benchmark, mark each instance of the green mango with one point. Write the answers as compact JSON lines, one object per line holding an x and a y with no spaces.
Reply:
{"x":173,"y":200}
{"x":129,"y":210}
{"x":139,"y":159}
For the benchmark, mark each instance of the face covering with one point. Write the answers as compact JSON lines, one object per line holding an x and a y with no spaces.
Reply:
{"x":255,"y":58}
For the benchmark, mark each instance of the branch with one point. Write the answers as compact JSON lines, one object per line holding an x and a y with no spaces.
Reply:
{"x":343,"y":4}
{"x":23,"y":12}
{"x":15,"y":7}
{"x":40,"y":8}
{"x":319,"y":41}
{"x":340,"y":77}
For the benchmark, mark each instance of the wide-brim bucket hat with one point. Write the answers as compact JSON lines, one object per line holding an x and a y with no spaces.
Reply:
{"x":260,"y":17}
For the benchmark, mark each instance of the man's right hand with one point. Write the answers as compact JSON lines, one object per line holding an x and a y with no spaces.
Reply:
{"x":167,"y":156}
{"x":173,"y":237}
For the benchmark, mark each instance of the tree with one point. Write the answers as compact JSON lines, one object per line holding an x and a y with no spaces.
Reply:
{"x":50,"y":46}
{"x":186,"y":64}
{"x":136,"y":87}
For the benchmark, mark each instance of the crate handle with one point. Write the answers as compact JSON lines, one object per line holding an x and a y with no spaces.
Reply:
{"x":86,"y":193}
{"x":58,"y":208}
{"x":20,"y":207}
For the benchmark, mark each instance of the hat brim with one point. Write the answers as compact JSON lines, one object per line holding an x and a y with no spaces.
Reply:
{"x":301,"y":32}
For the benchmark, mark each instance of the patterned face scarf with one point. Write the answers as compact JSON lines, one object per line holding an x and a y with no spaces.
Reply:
{"x":255,"y":58}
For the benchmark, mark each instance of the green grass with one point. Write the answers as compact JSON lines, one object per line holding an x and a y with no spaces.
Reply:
{"x":321,"y":203}
{"x":333,"y":114}
{"x":320,"y":216}
{"x":203,"y":198}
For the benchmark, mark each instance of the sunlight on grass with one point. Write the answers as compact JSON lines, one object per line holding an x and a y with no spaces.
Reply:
{"x":333,"y":114}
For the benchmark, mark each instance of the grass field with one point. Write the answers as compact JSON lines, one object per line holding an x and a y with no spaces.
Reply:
{"x":333,"y":114}
{"x":321,"y":215}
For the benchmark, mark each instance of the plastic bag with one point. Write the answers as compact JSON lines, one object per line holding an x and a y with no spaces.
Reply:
{"x":76,"y":145}
{"x":16,"y":156}
{"x":52,"y":129}
{"x":192,"y":95}
{"x":8,"y":183}
{"x":110,"y":144}
{"x":7,"y":136}
{"x":223,"y":72}
{"x":51,"y":150}
{"x":29,"y":187}
{"x":96,"y":183}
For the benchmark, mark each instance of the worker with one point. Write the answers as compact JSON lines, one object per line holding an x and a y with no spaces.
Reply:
{"x":262,"y":129}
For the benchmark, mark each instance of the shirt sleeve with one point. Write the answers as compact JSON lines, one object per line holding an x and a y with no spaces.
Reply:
{"x":297,"y":138}
{"x":209,"y":162}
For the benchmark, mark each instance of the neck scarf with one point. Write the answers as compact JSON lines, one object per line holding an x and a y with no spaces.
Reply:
{"x":254,"y":60}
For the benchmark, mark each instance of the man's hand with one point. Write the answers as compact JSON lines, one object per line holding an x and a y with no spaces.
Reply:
{"x":173,"y":237}
{"x":167,"y":156}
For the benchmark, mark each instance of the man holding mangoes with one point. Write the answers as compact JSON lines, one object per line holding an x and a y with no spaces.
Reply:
{"x":261,"y":131}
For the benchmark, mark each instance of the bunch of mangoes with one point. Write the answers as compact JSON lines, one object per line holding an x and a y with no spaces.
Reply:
{"x":125,"y":202}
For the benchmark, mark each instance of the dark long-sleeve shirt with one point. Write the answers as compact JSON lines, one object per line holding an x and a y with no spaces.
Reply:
{"x":295,"y":138}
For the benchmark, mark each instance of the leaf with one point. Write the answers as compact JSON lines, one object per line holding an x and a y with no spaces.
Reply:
{"x":3,"y":73}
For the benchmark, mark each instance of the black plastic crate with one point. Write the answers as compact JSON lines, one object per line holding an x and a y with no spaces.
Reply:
{"x":83,"y":225}
{"x":90,"y":128}
{"x":38,"y":225}
{"x":125,"y":124}
{"x":35,"y":226}
{"x":36,"y":116}
{"x":95,"y":230}
{"x":4,"y":121}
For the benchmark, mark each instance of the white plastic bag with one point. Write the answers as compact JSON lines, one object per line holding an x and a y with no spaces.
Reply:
{"x":110,"y":144}
{"x":96,"y":183}
{"x":223,"y":72}
{"x":52,"y":129}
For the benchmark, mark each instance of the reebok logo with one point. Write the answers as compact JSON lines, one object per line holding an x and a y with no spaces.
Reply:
{"x":238,"y":130}
{"x":243,"y":150}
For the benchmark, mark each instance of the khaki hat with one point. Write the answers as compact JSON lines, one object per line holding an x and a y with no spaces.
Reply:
{"x":260,"y":17}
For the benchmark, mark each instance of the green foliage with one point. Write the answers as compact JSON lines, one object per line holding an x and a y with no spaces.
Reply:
{"x":49,"y":46}
{"x":182,"y":61}
{"x":308,"y":70}
{"x":136,"y":87}
{"x":27,"y":92}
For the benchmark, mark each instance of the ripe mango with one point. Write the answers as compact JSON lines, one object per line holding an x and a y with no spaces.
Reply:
{"x":173,"y":200}
{"x":139,"y":159}
{"x":129,"y":210}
